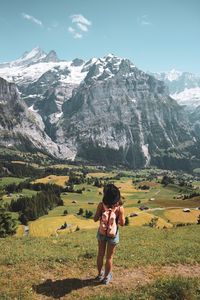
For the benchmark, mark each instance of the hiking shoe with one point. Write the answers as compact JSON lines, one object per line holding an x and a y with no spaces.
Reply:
{"x":107,"y":279}
{"x":100,"y":276}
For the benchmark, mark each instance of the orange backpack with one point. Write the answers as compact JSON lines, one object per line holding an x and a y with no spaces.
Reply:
{"x":108,"y":224}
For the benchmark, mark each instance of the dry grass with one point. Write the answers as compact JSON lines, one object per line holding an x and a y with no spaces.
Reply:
{"x":18,"y":162}
{"x":144,"y":218}
{"x":71,"y":283}
{"x":126,"y":187}
{"x":20,"y":230}
{"x":178,"y":216}
{"x":53,"y":179}
{"x":101,"y":174}
{"x":48,"y":226}
{"x":63,"y":166}
{"x":64,"y":267}
{"x":129,"y":210}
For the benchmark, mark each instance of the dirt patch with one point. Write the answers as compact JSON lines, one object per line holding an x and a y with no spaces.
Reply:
{"x":65,"y":282}
{"x":130,"y":278}
{"x":183,"y":270}
{"x":84,"y":285}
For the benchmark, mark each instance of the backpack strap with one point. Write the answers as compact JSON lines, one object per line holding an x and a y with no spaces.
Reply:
{"x":117,"y":215}
{"x":116,"y":208}
{"x":104,"y":207}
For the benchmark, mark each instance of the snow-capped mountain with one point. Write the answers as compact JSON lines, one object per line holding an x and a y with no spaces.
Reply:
{"x":31,"y":66}
{"x":104,"y":110}
{"x":44,"y":81}
{"x":189,"y":97}
{"x":128,"y":117}
{"x":169,"y":76}
{"x":184,"y":87}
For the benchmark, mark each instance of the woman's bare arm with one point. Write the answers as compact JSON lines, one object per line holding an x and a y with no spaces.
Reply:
{"x":121,"y":216}
{"x":98,"y":212}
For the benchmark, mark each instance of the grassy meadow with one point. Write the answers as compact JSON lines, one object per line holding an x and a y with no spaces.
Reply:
{"x":162,"y":202}
{"x":53,"y":179}
{"x":14,"y":196}
{"x":149,"y":263}
{"x":8,"y":180}
{"x":64,"y":266}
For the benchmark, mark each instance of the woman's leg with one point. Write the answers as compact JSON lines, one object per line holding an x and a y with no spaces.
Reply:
{"x":100,"y":256}
{"x":109,"y":258}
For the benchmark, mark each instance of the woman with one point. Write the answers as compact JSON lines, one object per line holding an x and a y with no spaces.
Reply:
{"x":111,"y":204}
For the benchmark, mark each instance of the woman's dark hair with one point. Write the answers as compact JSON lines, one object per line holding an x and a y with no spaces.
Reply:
{"x":111,"y":195}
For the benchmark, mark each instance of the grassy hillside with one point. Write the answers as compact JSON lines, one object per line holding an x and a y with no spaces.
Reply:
{"x":8,"y":180}
{"x":49,"y":263}
{"x":53,"y":179}
{"x":64,"y":266}
{"x":162,"y":202}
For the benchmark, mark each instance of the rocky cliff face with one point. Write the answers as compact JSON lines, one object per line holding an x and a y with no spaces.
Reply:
{"x":22,"y":128}
{"x":124,"y":116}
{"x":105,"y":110}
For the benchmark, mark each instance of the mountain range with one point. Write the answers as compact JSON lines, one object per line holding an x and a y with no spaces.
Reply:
{"x":183,"y":87}
{"x":104,"y":110}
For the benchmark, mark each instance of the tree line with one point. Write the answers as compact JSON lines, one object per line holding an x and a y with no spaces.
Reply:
{"x":17,"y":188}
{"x":30,"y":209}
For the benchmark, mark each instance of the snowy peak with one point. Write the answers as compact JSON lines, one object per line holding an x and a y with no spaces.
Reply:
{"x":169,"y":75}
{"x":189,"y":97}
{"x":51,"y":57}
{"x":184,"y":87}
{"x":187,"y":79}
{"x":77,"y":62}
{"x":107,"y":67}
{"x":173,"y":75}
{"x":35,"y":53}
{"x":34,"y":56}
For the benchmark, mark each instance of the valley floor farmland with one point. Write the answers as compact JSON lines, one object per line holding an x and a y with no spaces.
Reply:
{"x":162,"y":202}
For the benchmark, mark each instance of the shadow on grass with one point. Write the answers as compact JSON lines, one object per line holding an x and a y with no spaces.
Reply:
{"x":60,"y":288}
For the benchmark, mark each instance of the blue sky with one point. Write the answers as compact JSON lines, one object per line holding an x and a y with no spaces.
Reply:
{"x":156,"y":35}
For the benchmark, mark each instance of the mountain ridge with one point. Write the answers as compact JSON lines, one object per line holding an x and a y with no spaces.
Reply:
{"x":184,"y":87}
{"x":105,"y":110}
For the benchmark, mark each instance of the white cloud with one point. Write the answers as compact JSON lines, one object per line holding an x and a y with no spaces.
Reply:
{"x":144,"y":21}
{"x":78,"y":35}
{"x":71,"y":30}
{"x":80,"y":25}
{"x":80,"y":19}
{"x":32,"y":19}
{"x":75,"y":34}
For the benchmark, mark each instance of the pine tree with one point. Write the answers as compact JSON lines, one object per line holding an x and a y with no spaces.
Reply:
{"x":65,"y":212}
{"x":77,"y":228}
{"x":198,"y":220}
{"x":127,"y":221}
{"x":80,"y":212}
{"x":7,"y":223}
